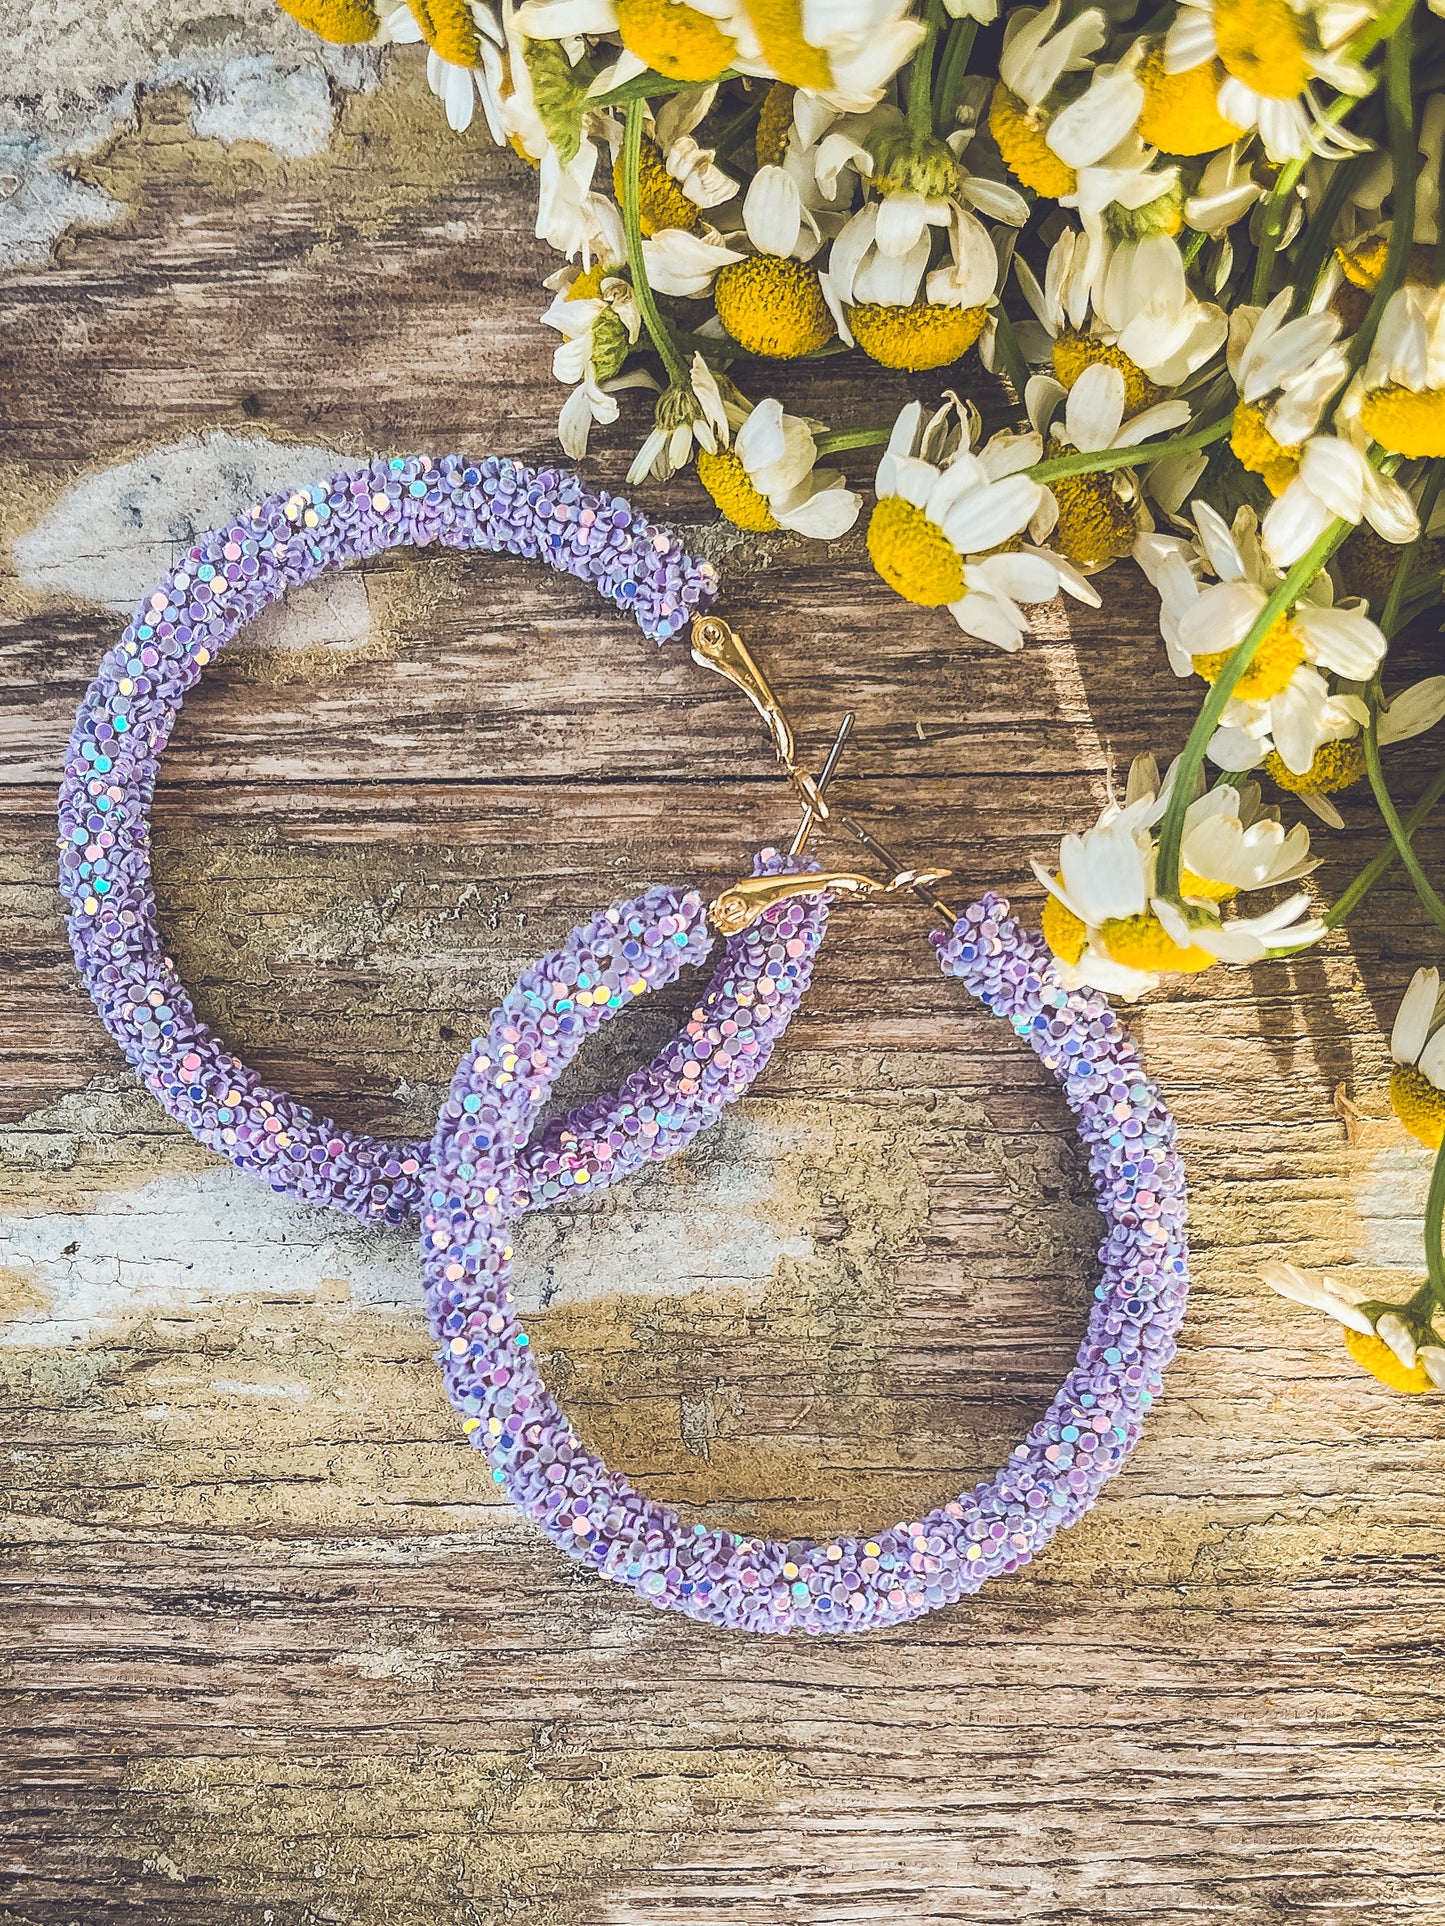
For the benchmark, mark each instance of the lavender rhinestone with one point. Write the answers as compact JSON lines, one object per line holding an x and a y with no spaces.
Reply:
{"x":125,"y":721}
{"x":851,"y":1584}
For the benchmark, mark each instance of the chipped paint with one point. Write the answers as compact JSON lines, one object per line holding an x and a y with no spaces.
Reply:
{"x":113,"y":533}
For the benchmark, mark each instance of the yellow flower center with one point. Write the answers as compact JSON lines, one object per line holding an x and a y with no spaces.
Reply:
{"x":1205,"y":887}
{"x":779,"y":27}
{"x":588,"y":285}
{"x":1406,"y":421}
{"x":1275,"y":661}
{"x":773,"y":307}
{"x":1064,"y":933}
{"x":449,"y":29}
{"x":1261,"y":43}
{"x":727,"y":481}
{"x":1259,"y":452}
{"x":1336,"y":765}
{"x":1418,"y":1104}
{"x":661,"y":203}
{"x":917,"y":337}
{"x":1075,"y":352}
{"x":775,"y":124}
{"x":674,"y":39}
{"x":1142,"y":943}
{"x":913,"y":555}
{"x":343,"y":22}
{"x":1026,"y":153}
{"x":1098,"y":517}
{"x":1380,"y":1361}
{"x":1181,"y":111}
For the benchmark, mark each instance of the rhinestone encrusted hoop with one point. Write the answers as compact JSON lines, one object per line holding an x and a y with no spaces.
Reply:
{"x":850,"y":1584}
{"x":125,"y":721}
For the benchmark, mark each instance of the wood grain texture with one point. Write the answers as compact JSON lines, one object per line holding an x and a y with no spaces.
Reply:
{"x":273,"y":1653}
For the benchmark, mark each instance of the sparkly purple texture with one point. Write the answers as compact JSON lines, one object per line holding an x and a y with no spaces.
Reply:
{"x":123,"y":725}
{"x":851,"y":1584}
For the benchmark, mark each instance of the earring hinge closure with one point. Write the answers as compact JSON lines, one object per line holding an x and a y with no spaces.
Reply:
{"x":718,"y":646}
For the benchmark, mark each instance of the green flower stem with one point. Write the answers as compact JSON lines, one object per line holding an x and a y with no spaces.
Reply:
{"x":1008,"y":355}
{"x":843,"y":438}
{"x":1349,"y":899}
{"x":1400,"y":119}
{"x":1171,"y":832}
{"x":957,"y":52}
{"x":1424,"y":889}
{"x":1081,"y":462}
{"x":920,"y":74}
{"x":1434,"y":1213}
{"x":1094,"y":461}
{"x":632,"y":226}
{"x":1316,"y":242}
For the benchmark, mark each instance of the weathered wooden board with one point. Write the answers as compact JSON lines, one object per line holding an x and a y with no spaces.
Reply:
{"x":274,"y":1654}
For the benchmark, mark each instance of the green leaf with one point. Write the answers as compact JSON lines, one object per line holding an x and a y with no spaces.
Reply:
{"x":649,"y":86}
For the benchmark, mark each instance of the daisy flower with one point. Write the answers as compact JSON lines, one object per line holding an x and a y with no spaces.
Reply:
{"x":943,"y":512}
{"x":771,"y":301}
{"x":1272,"y":52}
{"x":768,"y":478}
{"x":900,"y":312}
{"x":464,"y":57}
{"x":1417,"y":1045}
{"x":597,"y":316}
{"x":1283,"y":712}
{"x":1286,"y":371}
{"x":695,"y":412}
{"x":1401,"y":402}
{"x":1100,"y":515}
{"x":1037,"y":55}
{"x":688,"y":43}
{"x":1397,"y":1344}
{"x":1105,"y":923}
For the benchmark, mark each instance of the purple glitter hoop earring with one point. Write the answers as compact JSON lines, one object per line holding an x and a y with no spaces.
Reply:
{"x":126,"y":719}
{"x":752,"y":1584}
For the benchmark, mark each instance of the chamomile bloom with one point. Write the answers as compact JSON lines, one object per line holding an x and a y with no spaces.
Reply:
{"x":1108,"y":927}
{"x":688,"y":43}
{"x":1286,"y":371}
{"x":597,"y":316}
{"x":899,"y":311}
{"x":1401,"y":401}
{"x":1336,"y":481}
{"x":771,"y":301}
{"x":944,"y":511}
{"x":840,"y":54}
{"x":1395,"y":1343}
{"x":695,"y":411}
{"x":464,"y":57}
{"x":1417,"y":1045}
{"x":1143,"y":303}
{"x":1038,"y":54}
{"x":768,"y":478}
{"x":1224,"y":194}
{"x":1272,"y":52}
{"x":1100,"y":515}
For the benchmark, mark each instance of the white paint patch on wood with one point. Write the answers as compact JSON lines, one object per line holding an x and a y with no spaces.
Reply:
{"x":113,"y":534}
{"x":182,"y":1241}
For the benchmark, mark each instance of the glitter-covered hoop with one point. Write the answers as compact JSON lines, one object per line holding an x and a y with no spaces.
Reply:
{"x":125,"y":721}
{"x":849,"y":1584}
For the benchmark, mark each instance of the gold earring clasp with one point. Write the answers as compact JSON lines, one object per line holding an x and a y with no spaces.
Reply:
{"x":716,"y":645}
{"x":739,"y":907}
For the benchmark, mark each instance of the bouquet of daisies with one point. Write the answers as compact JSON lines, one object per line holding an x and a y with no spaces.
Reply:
{"x":1198,"y":252}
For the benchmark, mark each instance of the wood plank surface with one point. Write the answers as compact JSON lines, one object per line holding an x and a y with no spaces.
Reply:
{"x":273,"y":1653}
